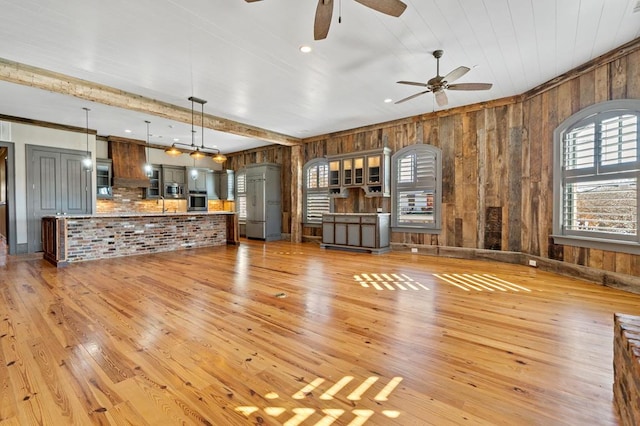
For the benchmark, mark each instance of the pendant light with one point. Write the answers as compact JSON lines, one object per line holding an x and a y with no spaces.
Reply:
{"x":87,"y":164}
{"x":173,"y":151}
{"x":219,"y":157}
{"x":197,"y":152}
{"x":148,"y":169}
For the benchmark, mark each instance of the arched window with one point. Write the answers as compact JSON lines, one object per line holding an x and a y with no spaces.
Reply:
{"x":316,"y":191}
{"x":596,"y":168}
{"x":416,"y":189}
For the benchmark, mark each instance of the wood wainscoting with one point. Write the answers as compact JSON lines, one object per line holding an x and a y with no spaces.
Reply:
{"x":289,"y":334}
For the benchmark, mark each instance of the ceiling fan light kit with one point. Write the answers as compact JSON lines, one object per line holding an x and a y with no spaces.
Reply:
{"x":438,"y":84}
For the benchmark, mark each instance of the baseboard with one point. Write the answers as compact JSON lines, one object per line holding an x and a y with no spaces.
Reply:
{"x":616,"y":280}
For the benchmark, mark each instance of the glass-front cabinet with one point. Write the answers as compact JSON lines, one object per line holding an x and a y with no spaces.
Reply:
{"x":334,"y":177}
{"x":155,"y":183}
{"x":103,"y":178}
{"x":368,"y":170}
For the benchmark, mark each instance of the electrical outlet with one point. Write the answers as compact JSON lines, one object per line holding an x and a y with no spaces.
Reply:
{"x":414,"y":249}
{"x":533,"y":263}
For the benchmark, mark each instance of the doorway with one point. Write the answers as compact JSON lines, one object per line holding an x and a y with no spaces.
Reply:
{"x":8,"y":198}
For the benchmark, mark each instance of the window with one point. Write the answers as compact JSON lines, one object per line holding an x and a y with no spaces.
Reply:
{"x":596,"y":169}
{"x":416,"y":193}
{"x":241,"y":196}
{"x":316,"y":190}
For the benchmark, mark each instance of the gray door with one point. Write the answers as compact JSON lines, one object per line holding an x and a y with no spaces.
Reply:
{"x":56,"y":185}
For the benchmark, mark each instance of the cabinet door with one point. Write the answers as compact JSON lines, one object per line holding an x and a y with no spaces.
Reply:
{"x":179,"y":176}
{"x":347,"y":172}
{"x":256,"y":209}
{"x":212,"y":190}
{"x":341,"y":233}
{"x":368,"y":235}
{"x":103,"y":179}
{"x":334,"y":173}
{"x":358,"y":171}
{"x":327,"y":233}
{"x":353,"y":234}
{"x":155,"y":183}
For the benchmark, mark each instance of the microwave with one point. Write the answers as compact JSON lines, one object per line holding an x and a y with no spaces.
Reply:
{"x":197,"y":202}
{"x":173,"y":190}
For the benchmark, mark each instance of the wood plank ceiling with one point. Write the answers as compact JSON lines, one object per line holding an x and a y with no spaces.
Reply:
{"x":244,"y":59}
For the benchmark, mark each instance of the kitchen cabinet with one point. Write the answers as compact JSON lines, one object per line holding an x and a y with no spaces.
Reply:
{"x":104,"y":174}
{"x":356,"y":231}
{"x":154,"y":190}
{"x":175,"y":174}
{"x":221,"y":185}
{"x":264,"y":204}
{"x":197,"y":180}
{"x":368,"y":170}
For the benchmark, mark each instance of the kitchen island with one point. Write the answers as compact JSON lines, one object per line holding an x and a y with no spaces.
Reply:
{"x":76,"y":238}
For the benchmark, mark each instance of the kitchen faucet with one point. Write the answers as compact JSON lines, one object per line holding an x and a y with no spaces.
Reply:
{"x":163,"y":209}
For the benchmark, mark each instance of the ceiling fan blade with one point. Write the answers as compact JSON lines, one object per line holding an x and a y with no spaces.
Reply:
{"x":388,"y":7}
{"x":441,"y":98}
{"x":251,"y":1}
{"x":411,"y":97}
{"x":455,"y":74}
{"x":323,"y":19}
{"x":412,"y":83}
{"x":470,"y":86}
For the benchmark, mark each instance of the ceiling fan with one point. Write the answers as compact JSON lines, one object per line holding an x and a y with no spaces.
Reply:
{"x":439,"y":84}
{"x":324,"y":12}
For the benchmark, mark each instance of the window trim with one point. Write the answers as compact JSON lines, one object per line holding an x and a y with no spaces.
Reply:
{"x":320,"y":190}
{"x":596,"y":112}
{"x":434,"y":227}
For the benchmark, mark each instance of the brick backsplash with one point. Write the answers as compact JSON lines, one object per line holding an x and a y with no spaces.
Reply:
{"x":131,"y":200}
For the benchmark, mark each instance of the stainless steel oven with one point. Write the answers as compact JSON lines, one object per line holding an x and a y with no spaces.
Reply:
{"x":173,"y":190}
{"x":197,"y":201}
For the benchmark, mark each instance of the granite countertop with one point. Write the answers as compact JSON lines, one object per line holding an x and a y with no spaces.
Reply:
{"x":354,"y":214}
{"x":168,"y":214}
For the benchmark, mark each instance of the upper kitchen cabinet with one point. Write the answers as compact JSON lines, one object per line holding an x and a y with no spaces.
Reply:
{"x":196,"y":179}
{"x":221,"y":185}
{"x":368,"y":170}
{"x":103,"y":178}
{"x":174,"y":174}
{"x":155,"y":183}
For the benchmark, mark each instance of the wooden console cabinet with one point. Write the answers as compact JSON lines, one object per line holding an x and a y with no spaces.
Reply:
{"x":356,"y":231}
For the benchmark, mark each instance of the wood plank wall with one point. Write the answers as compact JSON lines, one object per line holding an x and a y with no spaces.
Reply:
{"x":497,"y":163}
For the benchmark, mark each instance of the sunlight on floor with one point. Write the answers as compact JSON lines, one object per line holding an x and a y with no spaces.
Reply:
{"x":480,"y":282}
{"x":389,"y":282}
{"x":330,"y":415}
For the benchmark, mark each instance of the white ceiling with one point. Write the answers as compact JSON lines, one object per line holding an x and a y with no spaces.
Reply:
{"x":244,"y":58}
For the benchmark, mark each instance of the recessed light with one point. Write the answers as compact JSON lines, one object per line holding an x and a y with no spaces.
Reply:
{"x":305,"y":49}
{"x":176,"y":140}
{"x":127,"y":131}
{"x":388,"y":101}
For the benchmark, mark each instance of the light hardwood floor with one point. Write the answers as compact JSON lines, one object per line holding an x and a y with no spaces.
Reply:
{"x":291,"y":334}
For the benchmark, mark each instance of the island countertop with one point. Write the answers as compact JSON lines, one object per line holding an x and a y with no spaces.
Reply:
{"x":82,"y":237}
{"x":142,"y":214}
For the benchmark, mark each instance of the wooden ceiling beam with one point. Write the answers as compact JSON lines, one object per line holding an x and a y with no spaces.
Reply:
{"x":27,"y":75}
